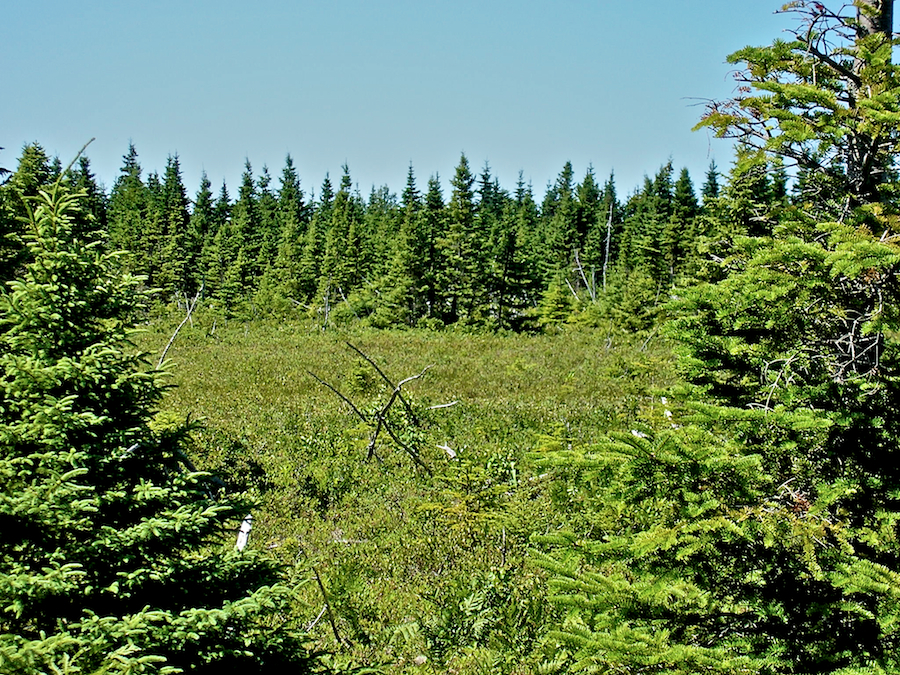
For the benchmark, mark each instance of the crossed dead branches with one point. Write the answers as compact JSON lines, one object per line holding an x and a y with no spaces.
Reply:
{"x":381,"y":420}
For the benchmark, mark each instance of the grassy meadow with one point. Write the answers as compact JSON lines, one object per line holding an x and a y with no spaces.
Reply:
{"x":423,"y":569}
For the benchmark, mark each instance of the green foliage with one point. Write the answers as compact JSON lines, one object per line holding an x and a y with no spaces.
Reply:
{"x":757,"y":531}
{"x":557,"y":304}
{"x":491,"y":622}
{"x":114,"y":558}
{"x":393,"y":545}
{"x":462,"y":251}
{"x":32,"y":174}
{"x":825,"y":100}
{"x":483,"y":260}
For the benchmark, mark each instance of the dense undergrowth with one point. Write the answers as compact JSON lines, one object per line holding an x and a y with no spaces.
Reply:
{"x":421,"y":568}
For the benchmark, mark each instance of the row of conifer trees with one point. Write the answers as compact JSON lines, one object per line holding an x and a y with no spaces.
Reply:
{"x":486,"y":255}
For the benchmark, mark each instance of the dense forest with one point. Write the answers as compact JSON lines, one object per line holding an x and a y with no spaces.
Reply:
{"x":486,"y":257}
{"x":482,"y":432}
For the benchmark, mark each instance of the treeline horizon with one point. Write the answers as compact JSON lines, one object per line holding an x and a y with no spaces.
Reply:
{"x":483,"y":255}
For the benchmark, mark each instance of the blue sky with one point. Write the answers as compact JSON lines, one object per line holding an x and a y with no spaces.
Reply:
{"x":521,"y":85}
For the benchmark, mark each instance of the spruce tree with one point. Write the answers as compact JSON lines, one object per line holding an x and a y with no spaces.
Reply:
{"x":127,"y":204}
{"x":401,"y":299}
{"x":560,"y":234}
{"x":114,"y":557}
{"x":174,"y":275}
{"x":268,"y":223}
{"x":341,"y":269}
{"x":680,"y":230}
{"x":588,"y":196}
{"x":434,"y":226}
{"x":603,"y":234}
{"x":215,"y":262}
{"x":95,"y":203}
{"x":280,"y":287}
{"x":710,"y":189}
{"x":239,"y":244}
{"x":200,"y":227}
{"x":310,"y":264}
{"x":462,"y":251}
{"x":757,"y":528}
{"x":31,"y":175}
{"x":149,"y":255}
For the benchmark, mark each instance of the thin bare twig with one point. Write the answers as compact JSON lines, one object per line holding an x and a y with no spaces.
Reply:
{"x":443,"y":405}
{"x":384,"y":377}
{"x":337,"y":636}
{"x":187,"y":318}
{"x":340,"y":395}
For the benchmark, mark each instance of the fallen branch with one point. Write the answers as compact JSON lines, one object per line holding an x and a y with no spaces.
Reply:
{"x":381,"y":415}
{"x":187,"y":318}
{"x":384,"y":377}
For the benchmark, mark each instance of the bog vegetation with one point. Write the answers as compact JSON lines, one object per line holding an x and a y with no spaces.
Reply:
{"x":476,"y":432}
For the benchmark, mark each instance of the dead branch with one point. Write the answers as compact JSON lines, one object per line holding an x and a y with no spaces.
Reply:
{"x":340,"y":395}
{"x":337,"y":636}
{"x":190,"y":310}
{"x":409,"y":410}
{"x":443,"y":405}
{"x":412,"y":453}
{"x":380,"y":420}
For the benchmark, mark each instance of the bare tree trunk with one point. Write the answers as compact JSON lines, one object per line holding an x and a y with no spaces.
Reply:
{"x":879,"y":20}
{"x":865,"y":169}
{"x":608,"y":238}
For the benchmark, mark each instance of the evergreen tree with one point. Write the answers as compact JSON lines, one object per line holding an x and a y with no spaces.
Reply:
{"x":94,"y":204}
{"x":223,"y":206}
{"x":513,"y":279}
{"x":462,"y":252}
{"x":112,"y":558}
{"x":379,"y":231}
{"x":402,"y":299}
{"x":174,"y":276}
{"x":127,"y":204}
{"x":240,"y":243}
{"x":31,"y":175}
{"x":601,"y":244}
{"x":200,"y":228}
{"x":341,"y":268}
{"x":149,"y":256}
{"x":560,"y":229}
{"x":680,"y":231}
{"x":710,"y":188}
{"x":314,"y":244}
{"x":760,"y":533}
{"x":267,"y":223}
{"x":846,"y":130}
{"x":291,"y":207}
{"x":281,"y":279}
{"x":588,"y":198}
{"x":214,"y":263}
{"x":644,"y":233}
{"x":528,"y":230}
{"x":557,"y":303}
{"x":434,"y":227}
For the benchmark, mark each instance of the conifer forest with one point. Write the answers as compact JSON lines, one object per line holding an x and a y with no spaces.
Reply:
{"x":466,"y":427}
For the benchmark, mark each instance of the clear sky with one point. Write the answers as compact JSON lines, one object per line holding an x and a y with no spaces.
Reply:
{"x":521,"y":85}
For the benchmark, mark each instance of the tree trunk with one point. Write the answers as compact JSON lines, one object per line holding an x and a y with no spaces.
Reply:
{"x":880,"y":19}
{"x":866,"y":164}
